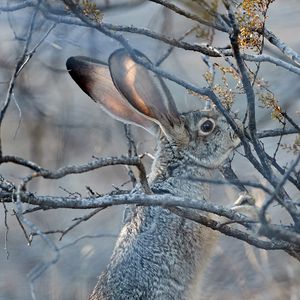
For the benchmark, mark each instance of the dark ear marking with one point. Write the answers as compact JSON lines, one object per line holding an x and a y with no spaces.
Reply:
{"x":94,"y":79}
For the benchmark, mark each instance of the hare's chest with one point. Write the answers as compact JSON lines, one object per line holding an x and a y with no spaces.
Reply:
{"x":181,"y":187}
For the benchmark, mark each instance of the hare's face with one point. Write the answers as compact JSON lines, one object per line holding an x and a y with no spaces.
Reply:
{"x":211,"y":138}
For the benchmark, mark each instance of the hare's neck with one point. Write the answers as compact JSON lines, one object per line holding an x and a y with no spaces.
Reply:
{"x":173,"y":172}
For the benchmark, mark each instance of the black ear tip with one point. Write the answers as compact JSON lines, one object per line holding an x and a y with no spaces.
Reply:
{"x":70,"y":63}
{"x":78,"y":63}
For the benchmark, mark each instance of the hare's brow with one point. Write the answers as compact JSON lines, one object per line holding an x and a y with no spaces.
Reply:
{"x":195,"y":115}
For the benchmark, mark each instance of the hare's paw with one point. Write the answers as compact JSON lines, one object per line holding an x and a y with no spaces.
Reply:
{"x":244,"y":199}
{"x":245,"y":205}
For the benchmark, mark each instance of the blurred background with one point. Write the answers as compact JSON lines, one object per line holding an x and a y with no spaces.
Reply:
{"x":53,"y":123}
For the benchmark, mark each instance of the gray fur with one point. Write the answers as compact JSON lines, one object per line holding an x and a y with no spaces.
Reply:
{"x":159,"y":255}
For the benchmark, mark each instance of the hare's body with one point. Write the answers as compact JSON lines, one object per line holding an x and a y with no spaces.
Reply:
{"x":158,"y":254}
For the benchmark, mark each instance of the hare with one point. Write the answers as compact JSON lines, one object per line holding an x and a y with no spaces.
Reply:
{"x":158,"y":254}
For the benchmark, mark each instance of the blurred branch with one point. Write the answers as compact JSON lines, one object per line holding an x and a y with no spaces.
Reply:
{"x":276,"y":192}
{"x":17,"y":6}
{"x":190,"y":16}
{"x":230,"y":180}
{"x":170,"y":49}
{"x":88,"y":236}
{"x":19,"y":66}
{"x":24,"y":59}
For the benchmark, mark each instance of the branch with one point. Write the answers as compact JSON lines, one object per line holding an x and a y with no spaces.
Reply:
{"x":283,"y":47}
{"x":289,"y":205}
{"x":205,"y":49}
{"x":190,"y":16}
{"x":77,"y":169}
{"x":24,"y":59}
{"x":273,"y":60}
{"x":17,"y":6}
{"x":229,"y":231}
{"x":164,"y":200}
{"x":282,"y":171}
{"x":62,"y":17}
{"x":276,"y":132}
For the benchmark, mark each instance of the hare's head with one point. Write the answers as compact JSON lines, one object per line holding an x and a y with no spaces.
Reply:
{"x":127,"y":91}
{"x":211,"y":138}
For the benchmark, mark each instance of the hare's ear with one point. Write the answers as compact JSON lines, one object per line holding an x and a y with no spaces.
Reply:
{"x":137,"y":85}
{"x":94,"y":79}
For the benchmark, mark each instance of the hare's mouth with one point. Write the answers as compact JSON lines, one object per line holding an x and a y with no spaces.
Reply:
{"x":211,"y":164}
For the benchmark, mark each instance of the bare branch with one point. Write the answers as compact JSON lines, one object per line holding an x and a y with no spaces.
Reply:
{"x":229,"y":231}
{"x":80,"y":220}
{"x":164,"y":200}
{"x":283,"y":47}
{"x":276,"y":132}
{"x":77,"y":169}
{"x":276,"y":61}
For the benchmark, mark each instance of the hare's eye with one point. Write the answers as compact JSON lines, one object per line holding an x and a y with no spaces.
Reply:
{"x":207,"y":126}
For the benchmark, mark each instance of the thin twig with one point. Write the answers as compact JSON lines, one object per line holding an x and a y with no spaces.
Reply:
{"x":80,"y":220}
{"x":274,"y":195}
{"x":27,"y":236}
{"x":6,"y":229}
